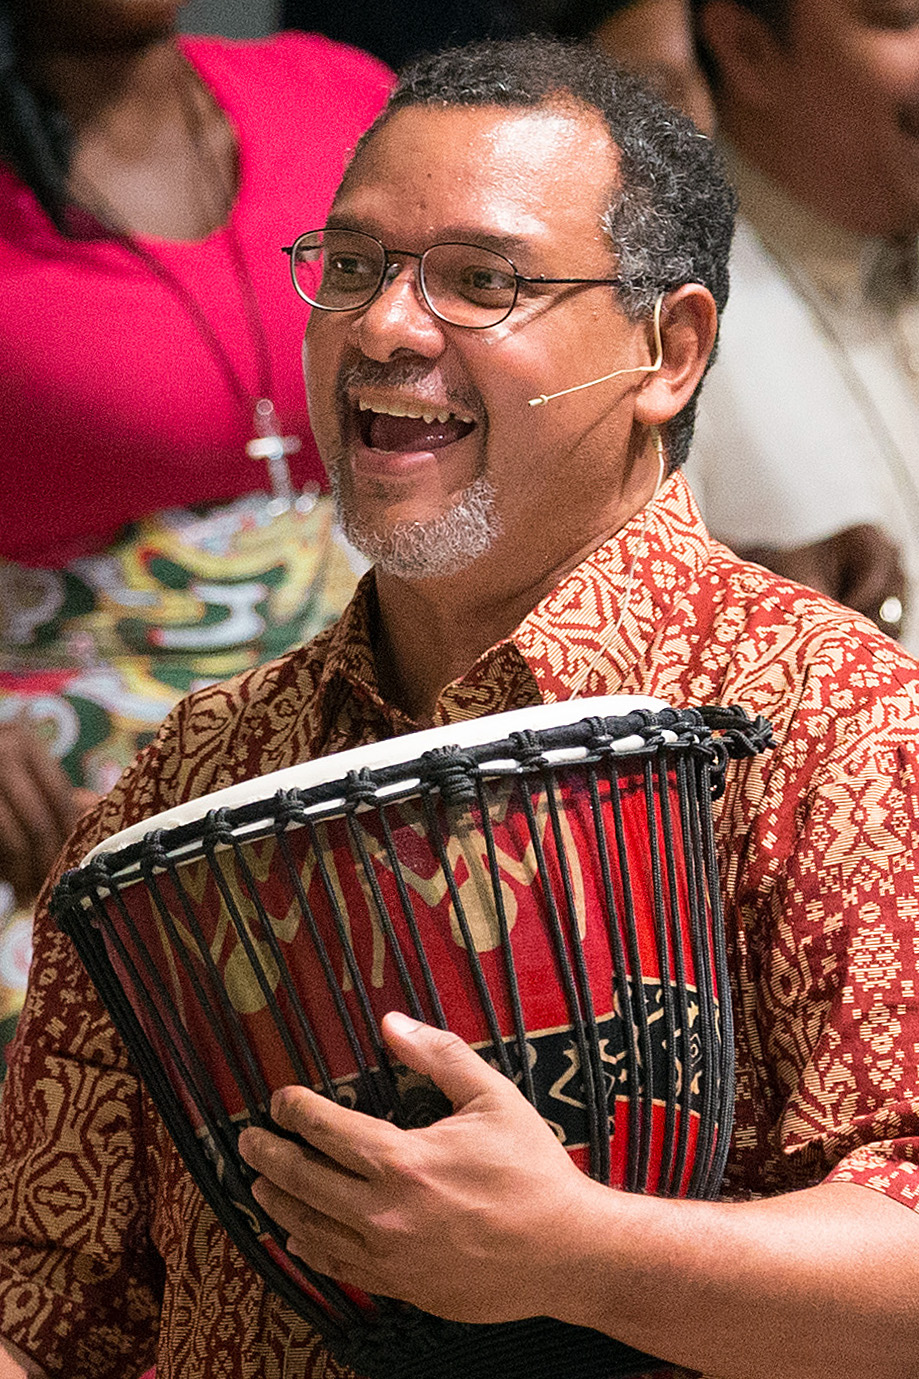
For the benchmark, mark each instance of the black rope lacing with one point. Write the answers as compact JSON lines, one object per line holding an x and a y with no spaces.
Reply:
{"x":676,"y":763}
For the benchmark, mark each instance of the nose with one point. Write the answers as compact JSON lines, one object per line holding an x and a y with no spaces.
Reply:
{"x":399,"y":320}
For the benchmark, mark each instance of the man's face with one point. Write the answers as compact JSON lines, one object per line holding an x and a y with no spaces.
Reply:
{"x":425,"y":426}
{"x":846,"y":81}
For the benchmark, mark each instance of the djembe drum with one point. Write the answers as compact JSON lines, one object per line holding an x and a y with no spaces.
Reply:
{"x":541,"y":882}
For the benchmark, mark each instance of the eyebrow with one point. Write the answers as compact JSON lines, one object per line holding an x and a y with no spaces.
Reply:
{"x":506,"y":244}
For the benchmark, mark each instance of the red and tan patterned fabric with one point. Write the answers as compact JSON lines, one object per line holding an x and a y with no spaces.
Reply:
{"x":105,"y":1242}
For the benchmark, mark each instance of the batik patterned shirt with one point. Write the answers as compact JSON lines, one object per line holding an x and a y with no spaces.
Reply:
{"x":105,"y":1244}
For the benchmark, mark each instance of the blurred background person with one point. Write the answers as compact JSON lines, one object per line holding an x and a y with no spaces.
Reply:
{"x":806,"y":455}
{"x":396,"y":30}
{"x":650,"y":37}
{"x":160,"y":520}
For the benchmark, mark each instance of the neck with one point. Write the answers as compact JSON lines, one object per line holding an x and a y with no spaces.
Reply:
{"x":432,"y":635}
{"x":153,"y":154}
{"x":91,"y":87}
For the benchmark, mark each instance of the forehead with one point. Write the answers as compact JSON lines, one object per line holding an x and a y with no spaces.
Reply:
{"x":533,"y":176}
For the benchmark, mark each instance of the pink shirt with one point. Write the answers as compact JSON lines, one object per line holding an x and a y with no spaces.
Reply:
{"x":111,"y":404}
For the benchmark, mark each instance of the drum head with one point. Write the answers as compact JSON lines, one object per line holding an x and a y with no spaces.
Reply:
{"x":470,"y":732}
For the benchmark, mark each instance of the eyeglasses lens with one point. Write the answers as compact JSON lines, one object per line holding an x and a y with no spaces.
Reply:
{"x":467,"y":285}
{"x":341,"y":270}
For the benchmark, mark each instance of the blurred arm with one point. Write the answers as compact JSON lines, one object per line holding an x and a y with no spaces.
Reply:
{"x":15,"y":1365}
{"x":39,"y":808}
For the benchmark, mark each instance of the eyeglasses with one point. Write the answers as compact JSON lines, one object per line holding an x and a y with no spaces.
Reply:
{"x":462,"y":284}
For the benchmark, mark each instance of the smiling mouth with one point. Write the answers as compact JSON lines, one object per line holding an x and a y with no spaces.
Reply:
{"x":408,"y":428}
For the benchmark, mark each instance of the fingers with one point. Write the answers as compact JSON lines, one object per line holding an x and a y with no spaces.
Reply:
{"x":456,"y":1069}
{"x":348,"y":1139}
{"x":340,"y":1157}
{"x":82,"y":800}
{"x":312,"y":1234}
{"x":325,"y":1244}
{"x":873,"y":576}
{"x":402,"y":1212}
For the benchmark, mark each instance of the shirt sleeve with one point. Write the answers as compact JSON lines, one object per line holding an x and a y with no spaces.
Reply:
{"x":832,"y":959}
{"x":79,"y":1279}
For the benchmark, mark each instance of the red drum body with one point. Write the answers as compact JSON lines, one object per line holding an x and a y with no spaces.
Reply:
{"x":547,"y":893}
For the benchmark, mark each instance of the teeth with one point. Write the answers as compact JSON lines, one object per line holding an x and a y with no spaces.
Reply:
{"x":405,"y":409}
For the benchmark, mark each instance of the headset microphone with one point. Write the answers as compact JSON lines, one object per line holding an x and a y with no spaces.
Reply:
{"x":642,"y":368}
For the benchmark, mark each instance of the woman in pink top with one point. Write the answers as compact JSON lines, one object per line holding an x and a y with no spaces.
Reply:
{"x":160,"y":518}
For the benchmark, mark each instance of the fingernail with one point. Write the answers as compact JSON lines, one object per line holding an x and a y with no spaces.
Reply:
{"x":402,"y":1024}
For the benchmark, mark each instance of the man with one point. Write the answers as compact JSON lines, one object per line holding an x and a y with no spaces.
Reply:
{"x":651,"y":37}
{"x":806,"y":451}
{"x":524,"y":554}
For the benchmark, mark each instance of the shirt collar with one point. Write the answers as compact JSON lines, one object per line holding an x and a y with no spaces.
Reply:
{"x":846,"y":267}
{"x":584,"y":638}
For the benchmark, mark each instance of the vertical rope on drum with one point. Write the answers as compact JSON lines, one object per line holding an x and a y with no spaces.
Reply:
{"x":298,"y":1014}
{"x":703,"y":966}
{"x":651,"y":785}
{"x":381,"y":1107}
{"x":637,"y":1014}
{"x":215,"y":833}
{"x":234,"y":1194}
{"x":325,"y":962}
{"x":513,"y":986}
{"x":212,"y":841}
{"x":679,"y":963}
{"x":199,"y":1086}
{"x":565,"y":973}
{"x":436,"y":834}
{"x":221,"y":1017}
{"x":408,"y":914}
{"x":725,"y":1010}
{"x":620,"y":991}
{"x":356,"y":833}
{"x":599,"y":1118}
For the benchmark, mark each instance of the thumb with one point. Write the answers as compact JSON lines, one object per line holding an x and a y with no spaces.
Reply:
{"x":445,"y":1058}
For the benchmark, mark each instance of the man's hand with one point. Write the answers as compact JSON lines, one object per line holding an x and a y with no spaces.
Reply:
{"x":859,"y":567}
{"x":38,"y":809}
{"x":483,"y":1217}
{"x":443,"y":1217}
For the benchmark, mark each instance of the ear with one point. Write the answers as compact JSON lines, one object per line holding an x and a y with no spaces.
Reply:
{"x":745,"y":51}
{"x":689,"y":324}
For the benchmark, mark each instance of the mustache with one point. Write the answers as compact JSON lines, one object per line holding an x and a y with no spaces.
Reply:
{"x":402,"y":372}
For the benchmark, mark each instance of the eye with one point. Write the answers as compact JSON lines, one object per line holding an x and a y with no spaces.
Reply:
{"x":486,"y":283}
{"x":349,"y":272}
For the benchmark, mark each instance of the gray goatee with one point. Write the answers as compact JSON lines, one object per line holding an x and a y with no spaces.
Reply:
{"x":445,"y":545}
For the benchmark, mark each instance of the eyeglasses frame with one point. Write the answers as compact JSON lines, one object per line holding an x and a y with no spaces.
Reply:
{"x":390,"y":254}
